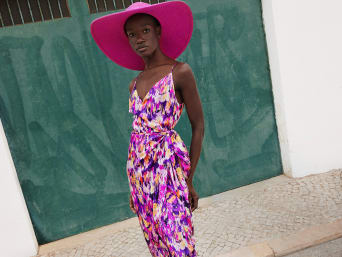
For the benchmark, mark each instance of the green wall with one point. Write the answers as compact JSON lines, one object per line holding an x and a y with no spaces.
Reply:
{"x":64,"y":107}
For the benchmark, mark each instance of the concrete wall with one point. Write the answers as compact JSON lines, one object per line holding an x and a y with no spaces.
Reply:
{"x":304,"y":41}
{"x":17,"y":237}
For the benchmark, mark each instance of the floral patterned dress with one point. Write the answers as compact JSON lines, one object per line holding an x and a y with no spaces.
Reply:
{"x":158,"y":164}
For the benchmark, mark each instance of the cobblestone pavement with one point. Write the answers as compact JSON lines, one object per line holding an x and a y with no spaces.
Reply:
{"x":251,"y":214}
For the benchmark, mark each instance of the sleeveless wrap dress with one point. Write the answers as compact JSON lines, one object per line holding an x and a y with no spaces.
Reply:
{"x":157,"y":165}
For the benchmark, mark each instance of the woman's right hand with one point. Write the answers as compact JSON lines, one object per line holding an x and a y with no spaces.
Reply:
{"x":131,"y":204}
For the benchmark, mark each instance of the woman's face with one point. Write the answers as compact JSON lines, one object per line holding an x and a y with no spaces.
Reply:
{"x":143,"y":34}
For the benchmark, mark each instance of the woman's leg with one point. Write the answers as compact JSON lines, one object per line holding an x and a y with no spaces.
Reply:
{"x":175,"y":225}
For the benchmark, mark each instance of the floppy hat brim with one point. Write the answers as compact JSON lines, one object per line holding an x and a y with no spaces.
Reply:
{"x":176,"y":22}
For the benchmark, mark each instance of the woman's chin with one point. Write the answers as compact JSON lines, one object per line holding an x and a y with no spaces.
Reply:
{"x":144,"y":54}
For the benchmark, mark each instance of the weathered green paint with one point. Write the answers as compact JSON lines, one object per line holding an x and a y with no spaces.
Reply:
{"x":64,"y":106}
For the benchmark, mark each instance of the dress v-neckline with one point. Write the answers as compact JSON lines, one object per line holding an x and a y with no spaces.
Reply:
{"x":148,"y":93}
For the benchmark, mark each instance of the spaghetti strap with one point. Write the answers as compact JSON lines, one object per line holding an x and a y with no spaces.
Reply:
{"x":136,"y":79}
{"x":174,"y":66}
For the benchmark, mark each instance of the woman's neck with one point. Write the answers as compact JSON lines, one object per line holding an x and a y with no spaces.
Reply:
{"x":157,"y":59}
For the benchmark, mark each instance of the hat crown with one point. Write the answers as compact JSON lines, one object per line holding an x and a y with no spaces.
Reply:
{"x":137,"y":5}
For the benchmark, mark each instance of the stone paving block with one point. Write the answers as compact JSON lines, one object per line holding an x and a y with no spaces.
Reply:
{"x":308,"y":237}
{"x":329,"y":249}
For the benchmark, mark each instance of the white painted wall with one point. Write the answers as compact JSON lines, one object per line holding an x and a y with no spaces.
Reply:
{"x":17,"y":238}
{"x":304,"y":40}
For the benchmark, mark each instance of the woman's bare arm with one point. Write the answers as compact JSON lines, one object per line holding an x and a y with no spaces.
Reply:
{"x":185,"y":82}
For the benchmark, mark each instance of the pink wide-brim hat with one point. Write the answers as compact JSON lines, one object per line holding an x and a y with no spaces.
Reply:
{"x":175,"y":18}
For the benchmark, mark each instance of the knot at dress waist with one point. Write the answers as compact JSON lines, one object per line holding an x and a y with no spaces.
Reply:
{"x":161,"y":146}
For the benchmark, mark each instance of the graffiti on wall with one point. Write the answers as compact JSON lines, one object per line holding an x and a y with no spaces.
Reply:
{"x":64,"y":108}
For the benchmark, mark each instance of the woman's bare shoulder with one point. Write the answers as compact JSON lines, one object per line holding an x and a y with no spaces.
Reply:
{"x":182,"y":68}
{"x":131,"y":84}
{"x":182,"y":75}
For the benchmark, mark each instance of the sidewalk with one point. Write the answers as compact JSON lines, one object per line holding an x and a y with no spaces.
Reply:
{"x":279,"y":207}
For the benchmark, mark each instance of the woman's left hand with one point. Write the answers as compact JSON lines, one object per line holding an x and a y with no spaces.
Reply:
{"x":193,"y":196}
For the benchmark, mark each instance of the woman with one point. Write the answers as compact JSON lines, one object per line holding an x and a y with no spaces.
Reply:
{"x":159,"y":168}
